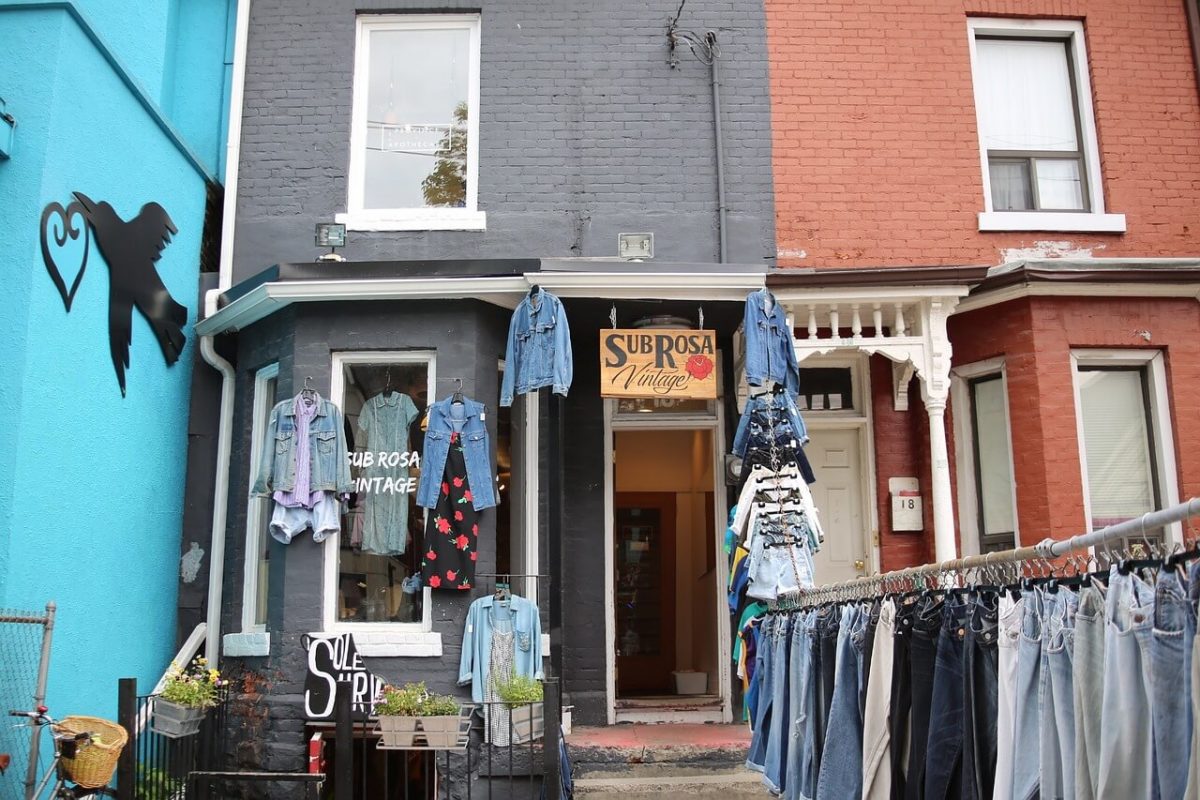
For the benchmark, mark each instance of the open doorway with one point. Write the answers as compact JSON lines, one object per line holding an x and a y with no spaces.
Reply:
{"x":664,"y":574}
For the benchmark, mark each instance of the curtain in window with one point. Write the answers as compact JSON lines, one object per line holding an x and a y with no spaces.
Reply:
{"x":995,"y":468}
{"x":1117,"y":442}
{"x":1025,"y":95}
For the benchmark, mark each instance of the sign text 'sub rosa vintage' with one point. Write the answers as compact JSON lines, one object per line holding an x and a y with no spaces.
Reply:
{"x":658,"y":363}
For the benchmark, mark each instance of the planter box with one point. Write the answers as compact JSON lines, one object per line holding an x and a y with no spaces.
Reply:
{"x":175,"y":721}
{"x":441,"y":732}
{"x":397,"y":731}
{"x":528,"y":723}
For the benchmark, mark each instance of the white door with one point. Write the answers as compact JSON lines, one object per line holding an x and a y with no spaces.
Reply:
{"x":836,"y":457}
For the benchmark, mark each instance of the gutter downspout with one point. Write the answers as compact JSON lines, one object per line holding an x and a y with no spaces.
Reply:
{"x":711,"y":40}
{"x":1192,"y":10}
{"x":233,"y":141}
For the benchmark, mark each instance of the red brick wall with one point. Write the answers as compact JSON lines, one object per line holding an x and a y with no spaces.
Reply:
{"x":1036,"y":336}
{"x":876,"y":150}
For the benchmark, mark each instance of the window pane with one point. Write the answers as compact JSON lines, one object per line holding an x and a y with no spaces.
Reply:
{"x":1025,"y":92}
{"x":379,"y":557}
{"x":994,"y":477}
{"x":1010,"y":185}
{"x":826,"y":388}
{"x":269,"y":388}
{"x":1059,"y":186}
{"x":417,"y":119}
{"x":1117,"y":442}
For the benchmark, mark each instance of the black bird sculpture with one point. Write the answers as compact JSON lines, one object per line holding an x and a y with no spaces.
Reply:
{"x":131,"y":249}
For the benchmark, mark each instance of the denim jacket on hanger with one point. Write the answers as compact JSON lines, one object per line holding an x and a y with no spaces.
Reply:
{"x":326,"y":448}
{"x":770,"y":351}
{"x":474,"y":663}
{"x":476,"y":450}
{"x":539,"y":348}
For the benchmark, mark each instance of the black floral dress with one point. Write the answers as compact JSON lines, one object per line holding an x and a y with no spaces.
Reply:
{"x":452,"y":529}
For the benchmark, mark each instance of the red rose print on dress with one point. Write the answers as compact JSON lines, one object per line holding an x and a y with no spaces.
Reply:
{"x":474,"y":530}
{"x":443,"y":525}
{"x":458,"y":517}
{"x":699,"y":367}
{"x":432,"y":556}
{"x":435,"y":581}
{"x":458,"y":482}
{"x":474,"y":555}
{"x":461,"y":542}
{"x":451,"y":574}
{"x":445,"y":488}
{"x":467,"y":495}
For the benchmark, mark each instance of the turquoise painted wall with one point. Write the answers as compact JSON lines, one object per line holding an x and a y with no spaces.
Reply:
{"x":91,"y":491}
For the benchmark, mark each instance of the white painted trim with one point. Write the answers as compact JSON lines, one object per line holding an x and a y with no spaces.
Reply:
{"x":1064,"y":221}
{"x":256,"y":507}
{"x":964,"y":447}
{"x":610,"y":591}
{"x":401,"y":633}
{"x":241,"y":645}
{"x":1072,"y":289}
{"x":668,"y":717}
{"x":1072,"y":32}
{"x":233,"y":144}
{"x":1160,"y":422}
{"x":355,"y":213}
{"x":799,"y":298}
{"x":532,"y":538}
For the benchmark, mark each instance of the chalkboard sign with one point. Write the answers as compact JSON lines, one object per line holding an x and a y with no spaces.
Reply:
{"x":333,"y":660}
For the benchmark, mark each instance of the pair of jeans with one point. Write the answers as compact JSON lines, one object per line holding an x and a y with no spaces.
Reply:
{"x":980,"y":697}
{"x":1126,"y":748}
{"x":828,"y":623}
{"x":764,"y":675}
{"x":1193,"y":783}
{"x":1088,"y":679}
{"x":1057,"y":771}
{"x":1027,"y":706}
{"x":800,"y":779}
{"x":780,"y":723}
{"x":877,"y":711}
{"x":841,"y":762}
{"x":1010,"y":615}
{"x":900,"y":713}
{"x":778,"y":564}
{"x":1170,"y":682}
{"x":872,"y":612}
{"x":943,"y":764}
{"x":922,"y":655}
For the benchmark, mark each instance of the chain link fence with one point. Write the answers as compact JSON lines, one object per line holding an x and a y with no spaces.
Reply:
{"x":25,"y":645}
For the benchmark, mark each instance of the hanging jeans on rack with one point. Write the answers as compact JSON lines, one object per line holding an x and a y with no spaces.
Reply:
{"x":825,"y":656}
{"x":1193,"y":784}
{"x":764,"y":676}
{"x":872,"y":612}
{"x":841,"y":762}
{"x":1170,"y":679}
{"x":980,"y":696}
{"x":781,"y":717}
{"x":800,"y":778}
{"x":877,"y":711}
{"x":1010,"y":616}
{"x":901,"y":697}
{"x":1126,"y":751}
{"x":1057,"y":772}
{"x":927,"y":625}
{"x":1088,"y":679}
{"x":943,"y":767}
{"x":1027,"y":710}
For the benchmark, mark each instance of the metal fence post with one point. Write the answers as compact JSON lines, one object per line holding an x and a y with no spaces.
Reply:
{"x":343,"y":785}
{"x":552,"y":711}
{"x":127,"y":718}
{"x":39,"y":698}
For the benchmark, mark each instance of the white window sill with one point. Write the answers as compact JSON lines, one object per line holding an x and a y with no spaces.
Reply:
{"x":241,"y":645}
{"x":390,"y":644}
{"x":1051,"y":221}
{"x":454,"y":220}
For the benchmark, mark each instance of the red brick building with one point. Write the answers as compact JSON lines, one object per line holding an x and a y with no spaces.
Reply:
{"x":990,"y":208}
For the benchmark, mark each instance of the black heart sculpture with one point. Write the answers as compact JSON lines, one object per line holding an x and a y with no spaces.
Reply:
{"x":68,"y":231}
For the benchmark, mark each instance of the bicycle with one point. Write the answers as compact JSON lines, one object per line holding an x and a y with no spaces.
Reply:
{"x":68,"y":746}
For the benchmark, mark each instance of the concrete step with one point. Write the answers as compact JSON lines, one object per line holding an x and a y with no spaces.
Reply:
{"x":740,"y":785}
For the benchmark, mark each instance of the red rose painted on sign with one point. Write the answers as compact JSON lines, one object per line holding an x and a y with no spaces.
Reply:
{"x":699,"y":367}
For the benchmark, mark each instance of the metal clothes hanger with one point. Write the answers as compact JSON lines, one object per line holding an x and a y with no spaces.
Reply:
{"x":458,"y":395}
{"x":308,"y":393}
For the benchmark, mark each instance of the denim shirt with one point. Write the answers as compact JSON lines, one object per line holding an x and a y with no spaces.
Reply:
{"x":466,"y":418}
{"x":474,"y":666}
{"x":539,"y":348}
{"x":782,"y":402}
{"x":326,"y":448}
{"x":770,"y":352}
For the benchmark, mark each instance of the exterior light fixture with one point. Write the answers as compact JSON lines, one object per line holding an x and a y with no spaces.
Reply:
{"x":635,"y":246}
{"x":333,"y":236}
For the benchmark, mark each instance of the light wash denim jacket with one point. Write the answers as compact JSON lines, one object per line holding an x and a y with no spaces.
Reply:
{"x":474,"y":666}
{"x":770,"y":352}
{"x":326,"y":448}
{"x":539,"y":348}
{"x":444,"y":416}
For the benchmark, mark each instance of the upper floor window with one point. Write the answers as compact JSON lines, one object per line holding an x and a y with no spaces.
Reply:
{"x":983,"y":441}
{"x":1037,"y":133}
{"x":414,"y":142}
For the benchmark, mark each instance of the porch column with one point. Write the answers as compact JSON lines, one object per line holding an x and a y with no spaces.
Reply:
{"x":939,"y":459}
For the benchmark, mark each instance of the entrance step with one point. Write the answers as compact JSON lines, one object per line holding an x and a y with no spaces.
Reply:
{"x":639,"y":762}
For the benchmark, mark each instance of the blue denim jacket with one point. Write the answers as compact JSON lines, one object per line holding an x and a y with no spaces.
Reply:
{"x":784,"y":403}
{"x":770,"y":351}
{"x":446,"y":417}
{"x":474,"y":666}
{"x":326,"y":447}
{"x":539,"y":348}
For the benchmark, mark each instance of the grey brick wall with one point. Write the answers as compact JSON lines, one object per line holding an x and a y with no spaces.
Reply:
{"x":584,"y":132}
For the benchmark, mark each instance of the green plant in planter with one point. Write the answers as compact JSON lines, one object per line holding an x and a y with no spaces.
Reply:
{"x":406,"y":701}
{"x":439,"y":705}
{"x":195,"y":687}
{"x":519,"y":690}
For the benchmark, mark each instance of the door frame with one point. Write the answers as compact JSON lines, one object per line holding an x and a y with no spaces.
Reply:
{"x":863,"y":422}
{"x":667,"y":421}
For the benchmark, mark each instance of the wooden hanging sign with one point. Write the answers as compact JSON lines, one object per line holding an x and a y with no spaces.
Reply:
{"x":658,"y":363}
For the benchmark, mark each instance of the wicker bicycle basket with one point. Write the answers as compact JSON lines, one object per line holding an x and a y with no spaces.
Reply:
{"x":94,"y":764}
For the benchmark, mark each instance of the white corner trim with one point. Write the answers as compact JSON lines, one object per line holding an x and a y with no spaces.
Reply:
{"x":419,"y":644}
{"x":415,"y":221}
{"x":1051,"y":221}
{"x":241,"y":645}
{"x":545,"y":645}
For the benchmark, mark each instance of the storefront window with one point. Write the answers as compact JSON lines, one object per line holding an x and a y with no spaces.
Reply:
{"x":379,"y":552}
{"x":254,"y":616}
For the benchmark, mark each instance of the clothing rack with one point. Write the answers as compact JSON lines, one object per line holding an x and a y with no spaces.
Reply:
{"x":1043,"y":550}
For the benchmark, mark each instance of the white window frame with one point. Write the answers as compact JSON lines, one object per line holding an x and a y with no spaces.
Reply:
{"x":1160,"y":423}
{"x":378,"y":638}
{"x":1095,"y":220}
{"x":358,"y":218}
{"x":964,"y":449}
